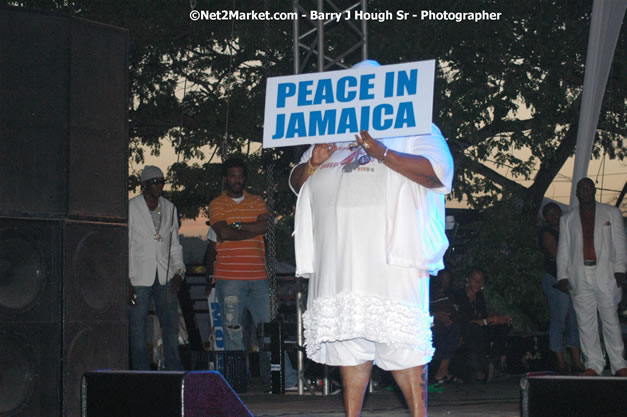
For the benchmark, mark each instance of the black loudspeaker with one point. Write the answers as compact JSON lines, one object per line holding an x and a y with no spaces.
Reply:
{"x":159,"y":394}
{"x":274,"y":330}
{"x":30,"y":312}
{"x":95,"y":304}
{"x":63,"y":155}
{"x":62,"y":311}
{"x":573,"y":396}
{"x":63,"y":117}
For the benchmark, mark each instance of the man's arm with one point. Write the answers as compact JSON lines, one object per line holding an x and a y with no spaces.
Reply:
{"x":303,"y":171}
{"x":416,"y":168}
{"x":562,"y":256}
{"x":244,"y":230}
{"x":132,"y":297}
{"x":299,"y":176}
{"x":176,"y":254}
{"x":549,"y":243}
{"x":618,"y":236}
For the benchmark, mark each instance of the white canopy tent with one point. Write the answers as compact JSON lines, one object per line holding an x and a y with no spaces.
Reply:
{"x":607,"y":18}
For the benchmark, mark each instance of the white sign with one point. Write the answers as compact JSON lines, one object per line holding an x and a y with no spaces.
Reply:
{"x":216,"y":333}
{"x":388,"y":101}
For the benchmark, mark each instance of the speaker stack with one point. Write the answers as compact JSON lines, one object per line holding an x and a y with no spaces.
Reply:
{"x":547,"y":395}
{"x":159,"y":394}
{"x":63,"y":208}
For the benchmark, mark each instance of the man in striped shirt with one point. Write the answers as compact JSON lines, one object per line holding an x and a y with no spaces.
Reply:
{"x":240,"y":219}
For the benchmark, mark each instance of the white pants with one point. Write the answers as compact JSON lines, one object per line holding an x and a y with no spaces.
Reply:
{"x":591,"y":298}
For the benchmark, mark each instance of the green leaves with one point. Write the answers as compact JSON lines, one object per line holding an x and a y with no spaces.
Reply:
{"x":507,"y":92}
{"x":506,"y":248}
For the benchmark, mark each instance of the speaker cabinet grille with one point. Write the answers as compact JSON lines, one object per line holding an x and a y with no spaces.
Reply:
{"x":95,"y":277}
{"x":63,"y":311}
{"x":29,"y":363}
{"x":34,"y":113}
{"x":29,"y":270}
{"x":98,"y":125}
{"x":63,"y":117}
{"x":90,"y":346}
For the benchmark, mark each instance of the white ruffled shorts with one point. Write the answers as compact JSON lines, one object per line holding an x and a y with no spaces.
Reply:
{"x":357,"y":351}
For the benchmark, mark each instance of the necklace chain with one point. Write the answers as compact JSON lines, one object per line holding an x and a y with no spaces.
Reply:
{"x":156,"y":221}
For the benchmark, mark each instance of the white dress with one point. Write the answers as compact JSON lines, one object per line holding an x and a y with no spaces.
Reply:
{"x":354,"y":289}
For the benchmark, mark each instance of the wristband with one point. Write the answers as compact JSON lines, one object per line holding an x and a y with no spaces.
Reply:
{"x":385,"y":154}
{"x":310,"y":168}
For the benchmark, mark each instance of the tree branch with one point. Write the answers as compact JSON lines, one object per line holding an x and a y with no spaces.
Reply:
{"x":495,"y":128}
{"x":550,"y":167}
{"x":490,"y":174}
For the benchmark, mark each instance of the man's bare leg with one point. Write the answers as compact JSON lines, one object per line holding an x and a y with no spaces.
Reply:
{"x":413,"y":385}
{"x":575,"y":354}
{"x":355,"y":380}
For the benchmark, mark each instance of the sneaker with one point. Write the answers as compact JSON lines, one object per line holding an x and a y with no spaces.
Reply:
{"x":435,"y":388}
{"x":449,"y":379}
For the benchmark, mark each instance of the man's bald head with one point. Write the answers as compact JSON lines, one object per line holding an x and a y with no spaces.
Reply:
{"x":585,"y":190}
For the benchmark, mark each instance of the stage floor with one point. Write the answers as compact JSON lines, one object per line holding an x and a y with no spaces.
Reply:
{"x":501,"y":398}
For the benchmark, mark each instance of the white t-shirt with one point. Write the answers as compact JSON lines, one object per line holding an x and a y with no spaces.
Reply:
{"x":354,"y":290}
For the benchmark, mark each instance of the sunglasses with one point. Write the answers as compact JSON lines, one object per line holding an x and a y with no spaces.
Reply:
{"x":156,"y":181}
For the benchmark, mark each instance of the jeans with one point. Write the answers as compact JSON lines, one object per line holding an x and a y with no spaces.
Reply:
{"x":235,"y":297}
{"x":476,"y":342}
{"x":446,"y":340}
{"x":166,"y":305}
{"x":561,"y":316}
{"x":291,"y":374}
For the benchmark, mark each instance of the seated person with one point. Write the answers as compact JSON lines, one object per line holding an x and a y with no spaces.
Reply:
{"x":446,"y":332}
{"x":475,"y":322}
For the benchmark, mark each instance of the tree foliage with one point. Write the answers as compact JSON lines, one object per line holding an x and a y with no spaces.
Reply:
{"x":507,"y":95}
{"x":506,"y":248}
{"x":507,"y":91}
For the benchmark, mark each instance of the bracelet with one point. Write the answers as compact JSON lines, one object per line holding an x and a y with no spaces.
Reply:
{"x":385,"y":154}
{"x":310,"y":168}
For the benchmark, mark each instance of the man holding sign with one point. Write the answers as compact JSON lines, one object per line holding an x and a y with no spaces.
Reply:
{"x":369,"y":229}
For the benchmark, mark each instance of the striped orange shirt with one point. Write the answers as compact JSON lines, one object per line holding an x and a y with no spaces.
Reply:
{"x":239,"y":259}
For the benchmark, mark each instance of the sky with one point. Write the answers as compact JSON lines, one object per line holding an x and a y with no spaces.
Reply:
{"x":609,"y":176}
{"x":609,"y":180}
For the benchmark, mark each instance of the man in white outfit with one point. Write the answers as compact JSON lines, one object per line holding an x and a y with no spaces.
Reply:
{"x":591,"y":262}
{"x":156,"y":269}
{"x":368,"y":230}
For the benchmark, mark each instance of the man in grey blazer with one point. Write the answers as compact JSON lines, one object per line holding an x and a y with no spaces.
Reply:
{"x":591,"y":263}
{"x":156,"y":269}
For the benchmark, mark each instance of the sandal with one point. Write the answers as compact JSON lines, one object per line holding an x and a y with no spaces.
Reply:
{"x":449,"y":379}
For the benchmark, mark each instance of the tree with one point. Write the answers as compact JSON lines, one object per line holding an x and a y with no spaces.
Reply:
{"x":502,"y":86}
{"x":510,"y":85}
{"x":507,"y":92}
